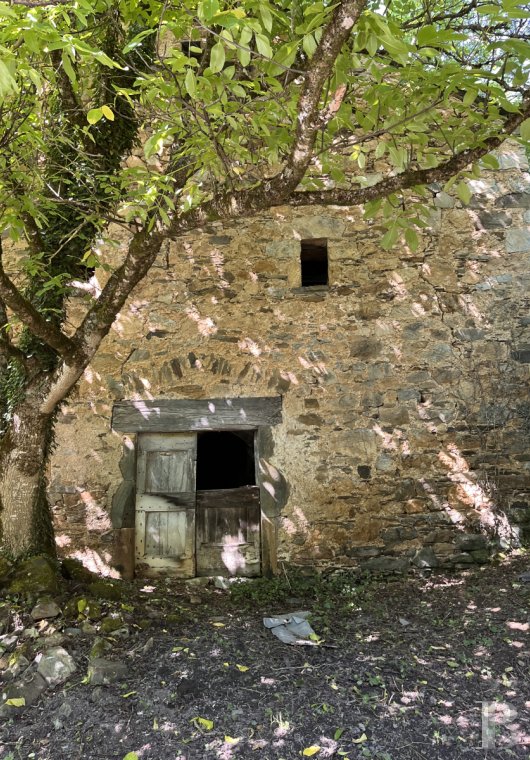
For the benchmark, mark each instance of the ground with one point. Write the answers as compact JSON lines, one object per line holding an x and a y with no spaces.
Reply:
{"x":405,"y":668}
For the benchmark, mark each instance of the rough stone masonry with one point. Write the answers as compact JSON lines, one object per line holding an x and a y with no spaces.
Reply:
{"x":404,"y":381}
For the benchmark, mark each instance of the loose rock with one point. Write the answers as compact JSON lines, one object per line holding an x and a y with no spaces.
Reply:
{"x":56,"y":666}
{"x":99,"y":647}
{"x":35,"y":575}
{"x":102,"y":672}
{"x":29,"y":688}
{"x":45,"y":609}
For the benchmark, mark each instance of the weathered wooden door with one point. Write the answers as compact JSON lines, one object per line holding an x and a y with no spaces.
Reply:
{"x":165,"y":504}
{"x":228,"y":532}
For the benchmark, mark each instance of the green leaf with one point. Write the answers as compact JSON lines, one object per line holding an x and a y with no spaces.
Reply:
{"x":266,"y":17}
{"x":426,"y":35}
{"x":411,"y":239}
{"x":525,"y":130}
{"x":338,"y":733}
{"x":310,"y":751}
{"x":131,"y":756}
{"x":464,"y":192}
{"x":107,"y":113}
{"x":68,"y":68}
{"x":309,"y":45}
{"x":263,"y":45}
{"x":490,"y":161}
{"x":16,"y":702}
{"x":94,"y":115}
{"x":389,"y":238}
{"x":137,"y":40}
{"x":470,"y":96}
{"x":7,"y":81}
{"x":217,"y":57}
{"x":380,"y":150}
{"x":208,"y":8}
{"x":398,"y":156}
{"x":190,"y":83}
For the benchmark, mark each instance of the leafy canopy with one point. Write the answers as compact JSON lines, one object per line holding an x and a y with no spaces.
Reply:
{"x":219,"y":102}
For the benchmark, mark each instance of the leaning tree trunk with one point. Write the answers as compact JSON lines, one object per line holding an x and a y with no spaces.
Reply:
{"x":25,"y":517}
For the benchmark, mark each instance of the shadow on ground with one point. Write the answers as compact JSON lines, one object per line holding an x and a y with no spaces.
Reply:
{"x":433,"y":667}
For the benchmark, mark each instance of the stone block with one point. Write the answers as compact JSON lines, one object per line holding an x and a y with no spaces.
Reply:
{"x":29,"y":688}
{"x":386,"y":565}
{"x":35,"y":575}
{"x":472,"y":542}
{"x":56,"y":666}
{"x":522,"y":355}
{"x":513,"y":200}
{"x":491,"y":220}
{"x":444,"y":200}
{"x":425,"y":558}
{"x":102,"y":672}
{"x":365,"y":347}
{"x":395,"y":416}
{"x":469,"y":334}
{"x":518,"y":240}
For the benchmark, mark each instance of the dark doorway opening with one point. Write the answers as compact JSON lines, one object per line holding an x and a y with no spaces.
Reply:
{"x":225,"y":459}
{"x":314,"y":261}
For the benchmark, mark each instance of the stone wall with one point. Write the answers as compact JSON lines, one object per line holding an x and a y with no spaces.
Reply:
{"x":406,"y":406}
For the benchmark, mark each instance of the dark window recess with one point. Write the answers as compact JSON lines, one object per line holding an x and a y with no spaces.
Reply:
{"x":191,"y":48}
{"x":225,"y":459}
{"x":314,"y":261}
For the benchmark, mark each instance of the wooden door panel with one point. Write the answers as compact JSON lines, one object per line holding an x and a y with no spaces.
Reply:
{"x":228,"y":535}
{"x":165,"y":534}
{"x":165,"y":505}
{"x":168,"y":471}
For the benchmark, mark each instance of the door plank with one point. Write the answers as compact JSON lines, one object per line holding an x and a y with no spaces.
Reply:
{"x":165,"y":505}
{"x":228,"y":532}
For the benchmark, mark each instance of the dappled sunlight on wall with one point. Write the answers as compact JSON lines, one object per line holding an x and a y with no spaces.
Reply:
{"x":96,"y":561}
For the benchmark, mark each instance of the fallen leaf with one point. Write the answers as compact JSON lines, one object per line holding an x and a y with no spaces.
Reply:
{"x":129,"y":694}
{"x":242,"y":668}
{"x":219,"y":625}
{"x":16,"y":702}
{"x":362,"y":738}
{"x":309,"y":751}
{"x":203,"y":723}
{"x":232,"y":740}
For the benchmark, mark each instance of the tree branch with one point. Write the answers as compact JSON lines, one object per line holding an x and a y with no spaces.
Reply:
{"x":412,"y":178}
{"x":33,"y":319}
{"x":39,"y":3}
{"x":7,"y":349}
{"x":141,"y":254}
{"x":72,"y":106}
{"x":309,"y":118}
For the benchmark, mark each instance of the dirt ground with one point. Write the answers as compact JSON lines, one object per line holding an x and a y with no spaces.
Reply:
{"x":409,"y":668}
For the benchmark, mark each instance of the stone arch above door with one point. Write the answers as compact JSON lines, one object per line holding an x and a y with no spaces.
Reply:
{"x":192,"y":415}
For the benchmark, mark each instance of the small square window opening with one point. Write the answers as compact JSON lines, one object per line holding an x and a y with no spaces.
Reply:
{"x":314,"y":261}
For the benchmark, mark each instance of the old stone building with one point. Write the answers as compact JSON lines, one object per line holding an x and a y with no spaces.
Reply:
{"x":282,"y":390}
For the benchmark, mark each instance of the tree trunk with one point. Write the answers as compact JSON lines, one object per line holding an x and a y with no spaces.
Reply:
{"x":25,"y":516}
